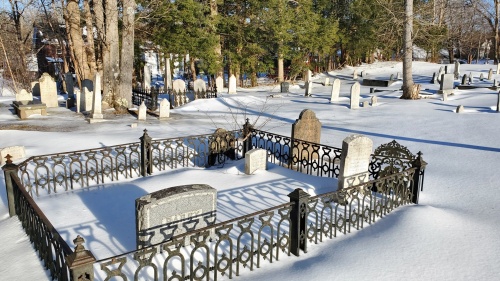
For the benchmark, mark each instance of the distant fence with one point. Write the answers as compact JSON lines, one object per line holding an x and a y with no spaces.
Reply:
{"x":245,"y":242}
{"x":176,"y":98}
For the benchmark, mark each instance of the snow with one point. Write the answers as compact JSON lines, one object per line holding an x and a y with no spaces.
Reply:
{"x":451,"y":235}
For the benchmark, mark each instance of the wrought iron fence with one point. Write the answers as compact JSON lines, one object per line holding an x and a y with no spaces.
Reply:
{"x":51,"y":248}
{"x":148,"y":96}
{"x":77,"y":169}
{"x":251,"y":241}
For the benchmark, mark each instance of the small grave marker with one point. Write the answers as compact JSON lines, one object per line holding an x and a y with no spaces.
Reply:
{"x":255,"y":159}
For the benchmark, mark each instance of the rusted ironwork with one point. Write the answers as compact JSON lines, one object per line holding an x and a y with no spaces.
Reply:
{"x":148,"y":96}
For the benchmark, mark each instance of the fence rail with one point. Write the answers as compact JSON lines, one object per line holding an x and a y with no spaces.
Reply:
{"x":248,"y":242}
{"x":227,"y":248}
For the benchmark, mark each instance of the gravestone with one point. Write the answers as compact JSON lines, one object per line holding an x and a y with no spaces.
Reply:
{"x":219,"y":84}
{"x":87,"y":95}
{"x":308,"y":88}
{"x":373,"y":100}
{"x":490,"y":74}
{"x":147,"y":78}
{"x":48,"y":90}
{"x":35,"y":88}
{"x":232,"y":85}
{"x":398,"y":76}
{"x":456,"y":71}
{"x":70,"y":90}
{"x":470,"y":79}
{"x":172,"y":211}
{"x":366,"y":103}
{"x":355,"y":91}
{"x":354,"y":161}
{"x":255,"y":159}
{"x":481,"y":76}
{"x":164,"y":109}
{"x":391,"y":78}
{"x":335,"y":90}
{"x":446,"y":85}
{"x":78,"y":97}
{"x":464,"y":79}
{"x":24,"y":95}
{"x":221,"y":145}
{"x":355,"y":74}
{"x":97,"y":101}
{"x":199,"y":86}
{"x":327,"y":81}
{"x":179,"y":86}
{"x":460,"y":109}
{"x":141,"y":115}
{"x":16,"y":152}
{"x":441,"y":69}
{"x":306,"y":128}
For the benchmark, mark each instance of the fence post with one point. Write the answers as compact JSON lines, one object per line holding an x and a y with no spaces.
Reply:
{"x":418,"y":177}
{"x":10,"y":170}
{"x":81,"y":262}
{"x":247,"y":137}
{"x":146,"y":154}
{"x":298,"y":223}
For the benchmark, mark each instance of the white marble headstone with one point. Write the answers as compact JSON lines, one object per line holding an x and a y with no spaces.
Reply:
{"x":48,"y":90}
{"x":164,"y":109}
{"x":335,"y":90}
{"x":355,"y":91}
{"x":232,"y":85}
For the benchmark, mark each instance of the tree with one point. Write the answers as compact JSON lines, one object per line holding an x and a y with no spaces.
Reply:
{"x":410,"y":89}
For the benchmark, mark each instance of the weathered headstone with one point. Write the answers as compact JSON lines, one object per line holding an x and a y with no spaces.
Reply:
{"x":464,"y":79}
{"x":391,"y":78}
{"x":456,"y":71}
{"x":232,"y":85}
{"x":434,"y":78}
{"x":490,"y":74}
{"x":78,"y":97}
{"x":179,"y":86}
{"x":355,"y":91}
{"x":335,"y":90}
{"x":147,"y":78}
{"x":199,"y":86}
{"x":141,"y":115}
{"x":164,"y":109}
{"x":306,"y":128}
{"x":166,"y":213}
{"x":48,"y":90}
{"x":365,"y":103}
{"x":308,"y":88}
{"x":481,"y":76}
{"x":460,"y":109}
{"x":446,"y":84}
{"x":97,"y":101}
{"x":373,"y":100}
{"x":219,"y":84}
{"x":24,"y":95}
{"x":354,"y":161}
{"x":35,"y":88}
{"x":70,"y":90}
{"x":16,"y":152}
{"x":327,"y":81}
{"x":255,"y":159}
{"x":355,"y":74}
{"x":87,"y":95}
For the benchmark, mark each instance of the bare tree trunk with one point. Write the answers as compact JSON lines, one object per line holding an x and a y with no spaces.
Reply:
{"x":495,"y":46}
{"x":410,"y":90}
{"x":281,"y":68}
{"x":76,"y":44}
{"x":89,"y":47}
{"x":192,"y":67}
{"x":111,"y":52}
{"x":218,"y":48}
{"x":126,"y":62}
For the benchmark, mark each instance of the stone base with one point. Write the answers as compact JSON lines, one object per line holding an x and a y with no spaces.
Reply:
{"x":96,"y":120}
{"x":25,"y":109}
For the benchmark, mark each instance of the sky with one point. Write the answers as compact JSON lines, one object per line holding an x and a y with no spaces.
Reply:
{"x":452,"y":234}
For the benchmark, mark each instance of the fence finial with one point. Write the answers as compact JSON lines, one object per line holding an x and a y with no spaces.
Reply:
{"x":81,"y":261}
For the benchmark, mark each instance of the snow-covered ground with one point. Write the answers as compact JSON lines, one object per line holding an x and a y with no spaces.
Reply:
{"x":451,"y":235}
